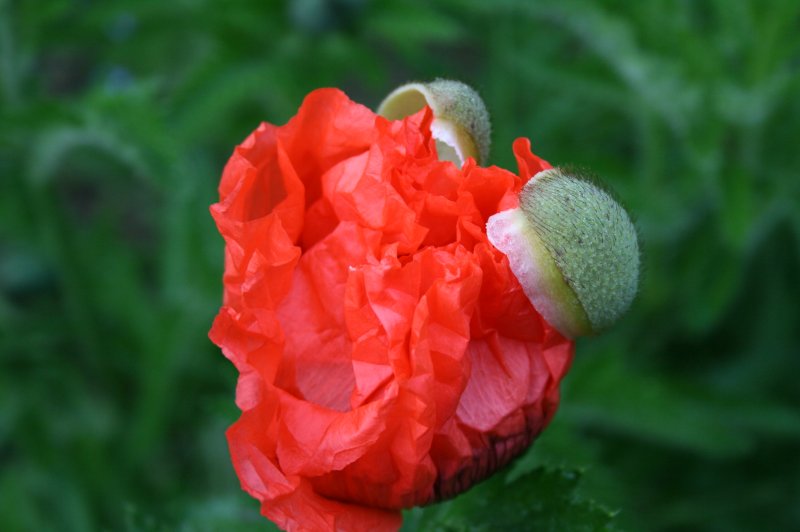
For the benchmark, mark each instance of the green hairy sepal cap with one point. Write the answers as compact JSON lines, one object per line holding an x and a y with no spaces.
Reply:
{"x":461,"y":123}
{"x":573,"y":249}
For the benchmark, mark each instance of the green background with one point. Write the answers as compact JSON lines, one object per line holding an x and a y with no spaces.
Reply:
{"x":116,"y":118}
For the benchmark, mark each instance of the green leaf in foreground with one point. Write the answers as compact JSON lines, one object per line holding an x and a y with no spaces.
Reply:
{"x":542,"y":500}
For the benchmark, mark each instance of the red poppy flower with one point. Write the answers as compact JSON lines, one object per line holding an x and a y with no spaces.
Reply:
{"x":388,"y":357}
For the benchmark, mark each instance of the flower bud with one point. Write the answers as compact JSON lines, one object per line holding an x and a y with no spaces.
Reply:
{"x":461,"y":123}
{"x":573,"y":249}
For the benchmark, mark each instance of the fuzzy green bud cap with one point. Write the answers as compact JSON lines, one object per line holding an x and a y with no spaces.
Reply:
{"x":573,"y":249}
{"x":461,"y":124}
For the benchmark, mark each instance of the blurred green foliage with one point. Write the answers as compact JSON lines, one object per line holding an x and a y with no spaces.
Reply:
{"x":116,"y":119}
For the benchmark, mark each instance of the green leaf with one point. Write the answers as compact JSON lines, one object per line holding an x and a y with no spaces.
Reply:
{"x":544,"y":499}
{"x":408,"y":24}
{"x":57,"y":145}
{"x":606,"y":394}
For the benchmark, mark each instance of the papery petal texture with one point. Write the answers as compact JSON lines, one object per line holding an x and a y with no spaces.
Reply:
{"x":387,"y":355}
